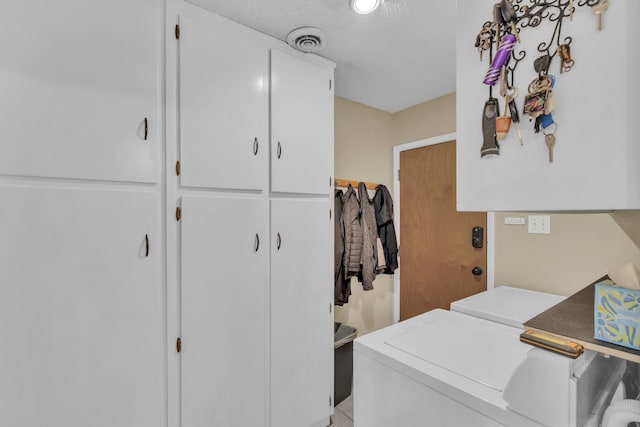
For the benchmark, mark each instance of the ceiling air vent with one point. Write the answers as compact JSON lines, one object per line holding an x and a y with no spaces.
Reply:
{"x":307,"y":39}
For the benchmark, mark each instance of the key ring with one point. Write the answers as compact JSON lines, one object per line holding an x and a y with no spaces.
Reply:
{"x":545,"y":132}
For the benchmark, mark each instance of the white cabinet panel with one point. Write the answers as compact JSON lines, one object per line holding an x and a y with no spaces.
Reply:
{"x":224,"y":293}
{"x":596,"y":154}
{"x":301,"y":321}
{"x":78,"y":80}
{"x":81,"y":308}
{"x":224,"y":106}
{"x":301,"y":125}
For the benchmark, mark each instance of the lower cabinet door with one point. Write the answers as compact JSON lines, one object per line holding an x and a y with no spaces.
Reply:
{"x":224,"y":311}
{"x":301,"y":313}
{"x":81,"y":308}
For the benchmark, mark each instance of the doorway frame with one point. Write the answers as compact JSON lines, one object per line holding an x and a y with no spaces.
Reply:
{"x":490,"y":232}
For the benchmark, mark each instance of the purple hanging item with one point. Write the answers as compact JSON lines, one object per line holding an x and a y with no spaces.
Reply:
{"x":502,"y":56}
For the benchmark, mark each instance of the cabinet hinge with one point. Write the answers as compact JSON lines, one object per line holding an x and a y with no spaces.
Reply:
{"x":178,"y":168}
{"x":177,"y":31}
{"x":178,"y":345}
{"x":178,"y":213}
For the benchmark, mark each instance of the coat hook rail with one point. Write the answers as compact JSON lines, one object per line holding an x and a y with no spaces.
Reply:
{"x":346,"y":182}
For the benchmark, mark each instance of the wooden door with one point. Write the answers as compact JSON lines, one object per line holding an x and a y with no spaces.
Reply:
{"x":224,"y":106}
{"x":301,"y":314}
{"x":436,"y":256}
{"x":225,"y":297}
{"x":301,"y":125}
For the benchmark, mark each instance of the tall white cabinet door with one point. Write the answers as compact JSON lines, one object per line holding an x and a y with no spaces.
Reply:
{"x":224,"y":293}
{"x":80,"y":89}
{"x":301,"y":125}
{"x":81,"y":308}
{"x":301,"y":318}
{"x":223,"y":107}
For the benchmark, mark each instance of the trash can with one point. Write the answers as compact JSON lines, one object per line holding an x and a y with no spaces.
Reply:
{"x":343,"y":361}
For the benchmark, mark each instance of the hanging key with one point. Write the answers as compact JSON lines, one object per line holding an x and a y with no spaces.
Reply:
{"x":550,"y":140}
{"x":498,"y":21}
{"x":515,"y":117}
{"x":599,"y":9}
{"x":509,"y":16}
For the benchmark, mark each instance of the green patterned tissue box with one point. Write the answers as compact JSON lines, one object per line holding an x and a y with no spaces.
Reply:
{"x":617,"y":315}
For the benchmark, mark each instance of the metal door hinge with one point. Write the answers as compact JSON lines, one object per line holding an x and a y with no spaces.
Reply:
{"x":398,"y":174}
{"x":178,"y":345}
{"x":330,"y":308}
{"x":330,"y":403}
{"x":178,"y":213}
{"x":330,"y":83}
{"x":178,"y":168}
{"x":177,"y":31}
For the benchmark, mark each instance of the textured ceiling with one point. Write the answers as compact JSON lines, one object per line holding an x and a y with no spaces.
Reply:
{"x":399,"y":56}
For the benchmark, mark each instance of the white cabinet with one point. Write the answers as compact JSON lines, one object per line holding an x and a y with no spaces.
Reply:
{"x":225,"y":295}
{"x":596,"y":155}
{"x":301,"y":125}
{"x":301,"y":312}
{"x":255,"y":324}
{"x":81,"y":307}
{"x":80,"y":88}
{"x":224,"y":106}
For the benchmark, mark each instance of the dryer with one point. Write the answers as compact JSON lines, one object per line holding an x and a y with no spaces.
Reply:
{"x":457,"y":368}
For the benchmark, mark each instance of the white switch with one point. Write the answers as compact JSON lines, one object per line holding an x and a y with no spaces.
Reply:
{"x":540,"y":224}
{"x":514,"y":220}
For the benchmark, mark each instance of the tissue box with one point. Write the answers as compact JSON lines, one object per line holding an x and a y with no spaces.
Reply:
{"x":617,"y":315}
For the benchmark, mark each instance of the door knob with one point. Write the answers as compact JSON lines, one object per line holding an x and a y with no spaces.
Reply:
{"x":477,"y":271}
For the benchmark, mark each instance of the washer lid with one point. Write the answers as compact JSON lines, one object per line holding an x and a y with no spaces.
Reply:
{"x":474,"y":348}
{"x":510,"y":306}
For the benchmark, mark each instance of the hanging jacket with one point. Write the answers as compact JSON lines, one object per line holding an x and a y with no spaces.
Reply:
{"x":342,"y":286}
{"x":369,"y":236}
{"x":386,"y":230}
{"x":352,"y":233}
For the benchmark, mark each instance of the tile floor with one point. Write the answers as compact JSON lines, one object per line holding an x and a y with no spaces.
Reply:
{"x":343,"y":414}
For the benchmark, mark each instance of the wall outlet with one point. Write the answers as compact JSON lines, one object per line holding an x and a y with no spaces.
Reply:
{"x":514,"y":220}
{"x":539,"y":224}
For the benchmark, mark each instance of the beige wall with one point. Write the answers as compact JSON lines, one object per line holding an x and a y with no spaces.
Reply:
{"x":578,"y":251}
{"x":364,"y":140}
{"x":363,"y":152}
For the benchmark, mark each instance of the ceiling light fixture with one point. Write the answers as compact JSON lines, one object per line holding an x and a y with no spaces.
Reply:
{"x":364,"y":6}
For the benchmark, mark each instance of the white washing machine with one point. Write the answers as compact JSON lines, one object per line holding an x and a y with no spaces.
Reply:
{"x":457,"y":368}
{"x":506,"y":305}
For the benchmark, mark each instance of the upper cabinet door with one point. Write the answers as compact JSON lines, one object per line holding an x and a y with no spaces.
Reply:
{"x":81,"y":304}
{"x":596,"y":155}
{"x":223,"y":105}
{"x":80,"y":89}
{"x":301,"y":125}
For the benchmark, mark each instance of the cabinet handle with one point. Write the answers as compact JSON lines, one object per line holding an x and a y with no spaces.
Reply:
{"x":278,"y":241}
{"x":255,"y":146}
{"x":146,"y":243}
{"x":257,"y":244}
{"x":146,"y":128}
{"x":279,"y":150}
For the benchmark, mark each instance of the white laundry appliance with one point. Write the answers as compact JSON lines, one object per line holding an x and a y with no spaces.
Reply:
{"x":458,"y":368}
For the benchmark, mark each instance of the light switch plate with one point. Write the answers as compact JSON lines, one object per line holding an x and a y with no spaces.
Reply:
{"x":539,"y":224}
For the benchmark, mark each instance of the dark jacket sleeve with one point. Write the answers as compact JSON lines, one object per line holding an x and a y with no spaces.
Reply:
{"x":383,"y":204}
